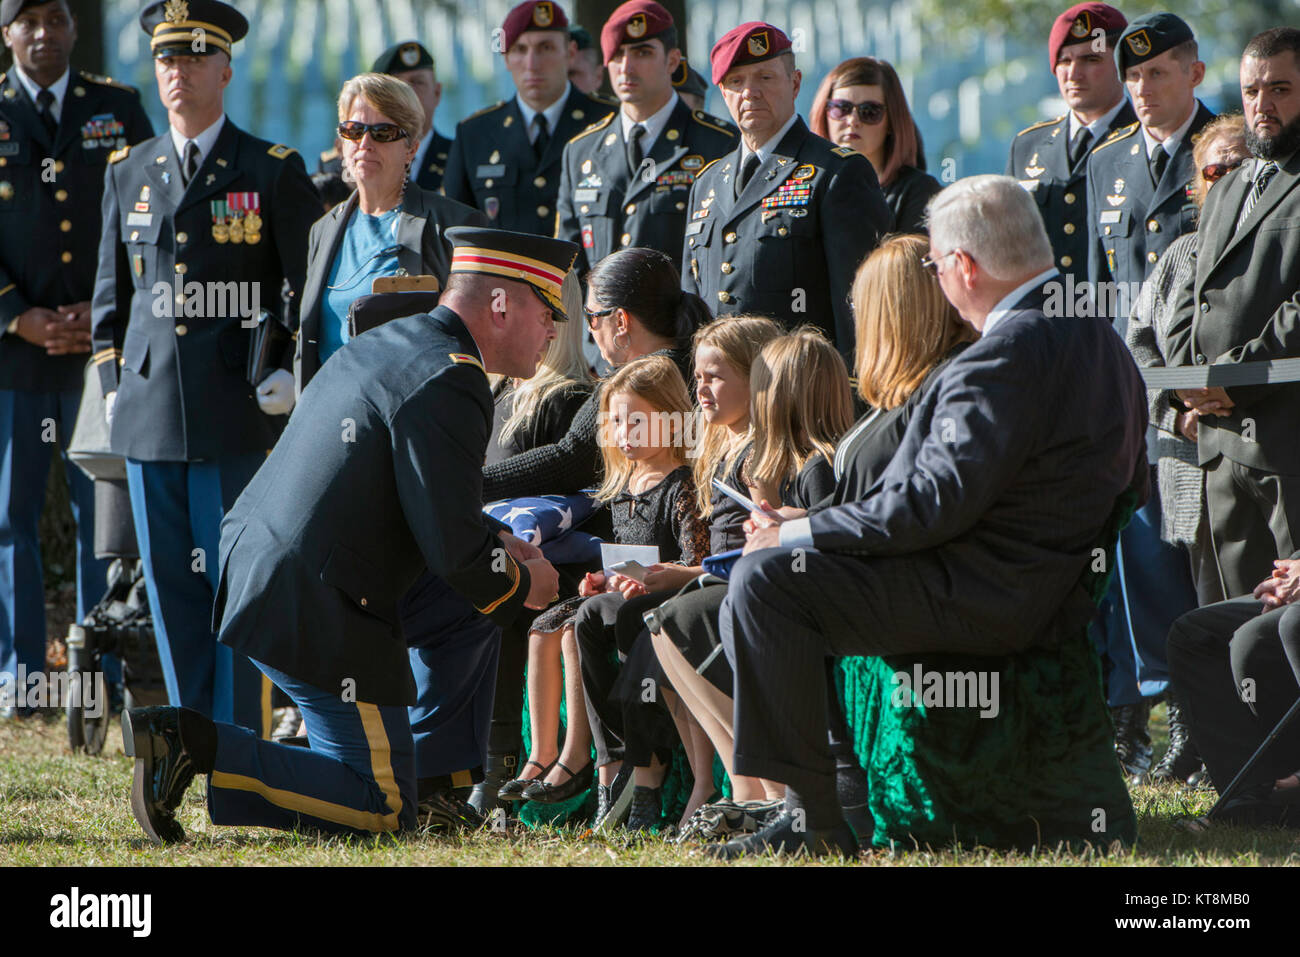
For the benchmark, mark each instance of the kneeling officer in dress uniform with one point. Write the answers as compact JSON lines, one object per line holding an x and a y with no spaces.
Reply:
{"x":377,"y":476}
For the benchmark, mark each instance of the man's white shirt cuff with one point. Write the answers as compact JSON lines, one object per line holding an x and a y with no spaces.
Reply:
{"x":796,"y":533}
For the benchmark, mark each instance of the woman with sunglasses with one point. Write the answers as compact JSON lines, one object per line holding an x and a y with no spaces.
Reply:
{"x":387,"y":226}
{"x":861,"y":105}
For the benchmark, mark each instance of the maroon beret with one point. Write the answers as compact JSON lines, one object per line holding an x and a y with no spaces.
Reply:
{"x":751,"y":42}
{"x":633,"y":22}
{"x":533,"y":15}
{"x":1078,"y":24}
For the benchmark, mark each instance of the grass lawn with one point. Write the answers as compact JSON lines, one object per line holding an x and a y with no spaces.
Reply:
{"x":60,"y":808}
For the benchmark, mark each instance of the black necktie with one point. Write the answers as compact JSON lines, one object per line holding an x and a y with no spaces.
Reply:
{"x":191,"y":164}
{"x":746,"y":171}
{"x":543,"y":136}
{"x":1159,"y":160}
{"x":45,"y":110}
{"x":634,"y":153}
{"x":1262,"y":177}
{"x":1079,"y":145}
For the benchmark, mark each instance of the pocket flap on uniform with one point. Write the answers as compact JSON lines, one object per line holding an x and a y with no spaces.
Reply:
{"x":135,"y":351}
{"x":588,"y":201}
{"x":359,"y":580}
{"x":1114,"y":222}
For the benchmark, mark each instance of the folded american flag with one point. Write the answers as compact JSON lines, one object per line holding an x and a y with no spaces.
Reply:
{"x":550,"y":522}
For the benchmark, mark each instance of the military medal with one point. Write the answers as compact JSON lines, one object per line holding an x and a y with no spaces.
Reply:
{"x":220,"y":231}
{"x":252,"y":221}
{"x":236,"y":204}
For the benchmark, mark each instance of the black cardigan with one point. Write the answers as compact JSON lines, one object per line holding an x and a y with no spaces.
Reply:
{"x":907,"y":196}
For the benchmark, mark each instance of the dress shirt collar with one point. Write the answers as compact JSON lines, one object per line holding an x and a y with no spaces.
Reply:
{"x":770,"y":146}
{"x":1098,"y":126}
{"x":59,"y":88}
{"x":1171,"y":142}
{"x":205,"y":140}
{"x":552,"y":113}
{"x":1008,"y":302}
{"x":653,"y":126}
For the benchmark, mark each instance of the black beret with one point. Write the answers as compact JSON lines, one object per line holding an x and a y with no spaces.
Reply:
{"x":402,"y":57}
{"x":1149,"y":36}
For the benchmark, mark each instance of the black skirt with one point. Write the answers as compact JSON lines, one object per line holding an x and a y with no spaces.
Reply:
{"x":690,"y":620}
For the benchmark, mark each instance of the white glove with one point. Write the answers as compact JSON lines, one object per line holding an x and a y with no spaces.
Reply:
{"x":110,"y":403}
{"x":275,"y":394}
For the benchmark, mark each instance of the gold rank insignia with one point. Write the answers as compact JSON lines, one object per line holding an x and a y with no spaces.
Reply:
{"x":1033,"y":170}
{"x":672,"y":134}
{"x":844,"y":151}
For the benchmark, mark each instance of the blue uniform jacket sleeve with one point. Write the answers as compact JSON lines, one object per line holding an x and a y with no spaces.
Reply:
{"x":110,"y":308}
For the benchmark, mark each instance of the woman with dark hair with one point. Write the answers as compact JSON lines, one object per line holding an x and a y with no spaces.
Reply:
{"x":861,"y":105}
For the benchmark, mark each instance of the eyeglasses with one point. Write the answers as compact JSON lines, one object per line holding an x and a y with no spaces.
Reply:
{"x":931,"y":263}
{"x":593,"y":318}
{"x":1216,"y":171}
{"x":379,"y":132}
{"x":869,"y":112}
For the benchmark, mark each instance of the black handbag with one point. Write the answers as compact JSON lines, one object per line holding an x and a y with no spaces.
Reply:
{"x":267,"y":343}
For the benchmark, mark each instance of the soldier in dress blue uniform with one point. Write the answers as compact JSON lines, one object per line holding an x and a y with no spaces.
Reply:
{"x":1140,"y":201}
{"x":505,"y":159}
{"x":201,"y":227}
{"x":377,"y":478}
{"x":414,"y":65}
{"x":779,"y":226}
{"x":627,"y":178}
{"x":1050,"y":159}
{"x":57,"y":128}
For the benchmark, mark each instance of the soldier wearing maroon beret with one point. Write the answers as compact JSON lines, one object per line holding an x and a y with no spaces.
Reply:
{"x":1050,"y":159}
{"x":779,"y":226}
{"x":627,"y":178}
{"x":506,"y":159}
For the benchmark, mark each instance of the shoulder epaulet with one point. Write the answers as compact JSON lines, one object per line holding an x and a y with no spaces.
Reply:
{"x":604,"y":100}
{"x":1122,"y":133}
{"x":280,"y":151}
{"x":462,"y":358}
{"x":485,"y":110}
{"x":706,"y":166}
{"x":1039,"y":126}
{"x":598,"y":125}
{"x":118,"y":155}
{"x":106,"y":81}
{"x":843,"y":150}
{"x":699,"y":116}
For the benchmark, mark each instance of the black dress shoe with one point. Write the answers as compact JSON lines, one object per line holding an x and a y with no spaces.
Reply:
{"x":543,"y":792}
{"x":1181,"y":760}
{"x":789,"y":835}
{"x":647,"y":808}
{"x":163,"y":770}
{"x":443,"y":810}
{"x":513,"y":790}
{"x":1132,"y":741}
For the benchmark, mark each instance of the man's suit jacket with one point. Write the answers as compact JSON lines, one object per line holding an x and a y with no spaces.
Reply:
{"x":434,"y":163}
{"x":49,"y":215}
{"x":1130,"y":221}
{"x":789,"y":245}
{"x":377,"y":476}
{"x":492,"y":165}
{"x":1245,"y":306}
{"x":1007,"y":473}
{"x":424,"y":218}
{"x":173,"y":300}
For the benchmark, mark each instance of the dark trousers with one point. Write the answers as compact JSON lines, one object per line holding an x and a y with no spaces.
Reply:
{"x":1223,"y":653}
{"x":781,"y":619}
{"x":31,"y":423}
{"x":358,"y":777}
{"x":1254,"y":519}
{"x":177,"y":508}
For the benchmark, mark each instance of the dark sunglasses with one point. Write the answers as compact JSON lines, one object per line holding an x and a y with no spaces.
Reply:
{"x":593,"y":318}
{"x":379,"y":132}
{"x":1216,"y":171}
{"x":869,"y":112}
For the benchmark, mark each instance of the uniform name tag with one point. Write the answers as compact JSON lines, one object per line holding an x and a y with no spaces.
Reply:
{"x":485,"y":172}
{"x":695,"y":227}
{"x":586,"y":195}
{"x":9,"y":149}
{"x":1111,"y":215}
{"x":139,"y":219}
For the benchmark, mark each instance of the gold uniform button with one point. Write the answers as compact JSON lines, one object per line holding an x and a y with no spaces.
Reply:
{"x":542,"y":211}
{"x":66,"y":226}
{"x":182,"y":237}
{"x":726,"y":267}
{"x":182,"y":269}
{"x":782,"y":231}
{"x":181,"y":330}
{"x":584,"y":208}
{"x":1153,"y":225}
{"x":1107,"y":230}
{"x":1069,"y":229}
{"x":58,"y":166}
{"x":364,"y":603}
{"x":729,"y":238}
{"x":724,"y":296}
{"x":681,"y":206}
{"x":61,"y":195}
{"x":631,"y":208}
{"x":1067,"y":261}
{"x":3,"y":161}
{"x":1152,"y":257}
{"x":135,"y":234}
{"x":691,"y":241}
{"x":487,"y":183}
{"x":626,"y":239}
{"x":66,"y":257}
{"x":1069,"y":197}
{"x":539,"y":182}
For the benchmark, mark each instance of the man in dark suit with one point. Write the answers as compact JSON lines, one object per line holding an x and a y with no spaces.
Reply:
{"x":201,"y":228}
{"x":626,"y":179}
{"x":505,"y":159}
{"x":49,"y":229}
{"x":1244,"y":308}
{"x":376,"y":478}
{"x":977,"y":535}
{"x":779,"y":226}
{"x":1139,"y":202}
{"x":1050,"y":159}
{"x":413,"y":64}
